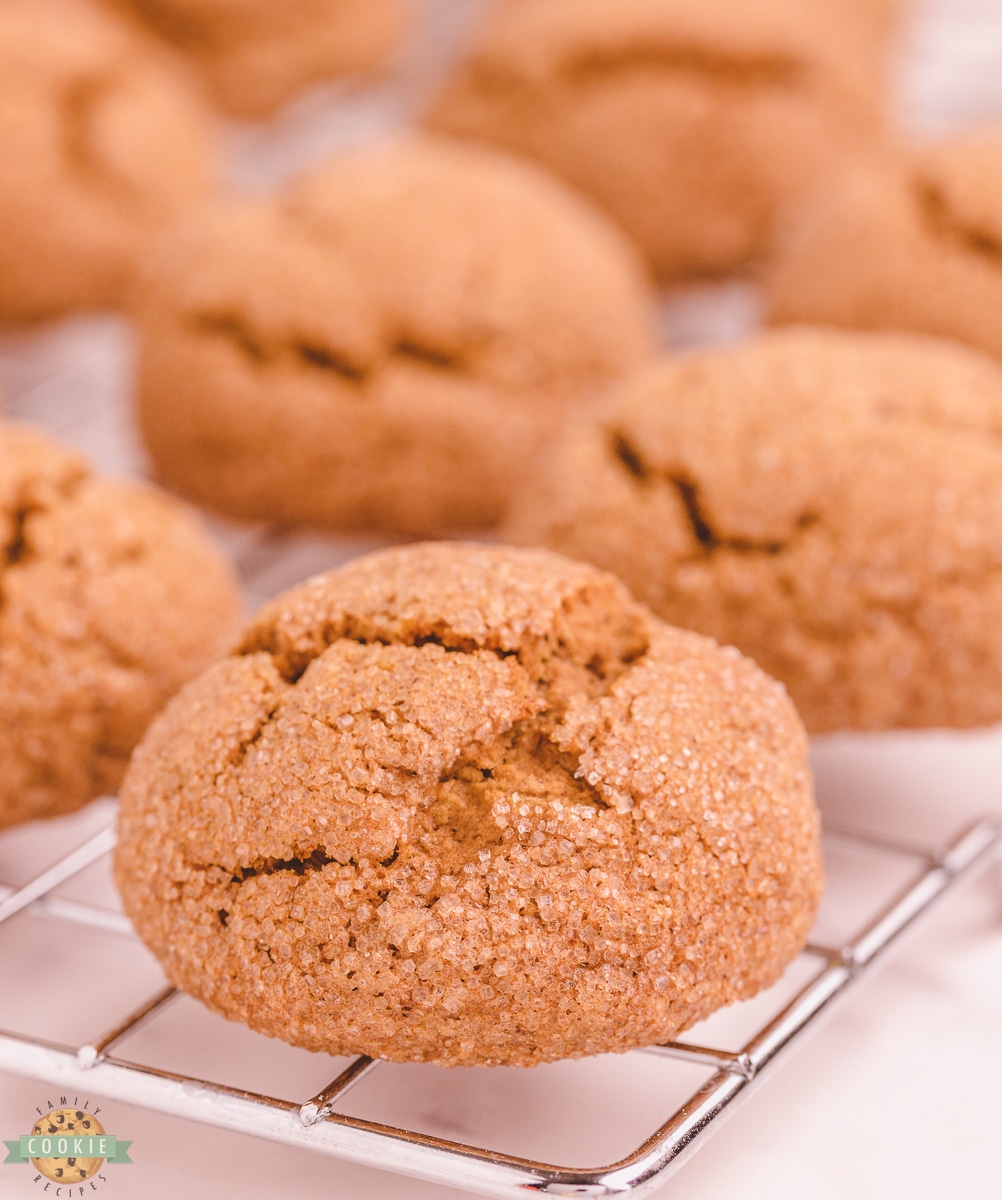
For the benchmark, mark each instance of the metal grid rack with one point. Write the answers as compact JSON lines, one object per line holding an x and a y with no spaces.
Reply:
{"x":76,"y":389}
{"x":317,"y":1123}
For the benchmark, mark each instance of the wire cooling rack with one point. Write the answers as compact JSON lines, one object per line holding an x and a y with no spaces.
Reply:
{"x":317,"y":1122}
{"x":73,"y":381}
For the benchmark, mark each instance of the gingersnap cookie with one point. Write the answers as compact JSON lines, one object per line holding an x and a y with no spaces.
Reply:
{"x":693,"y":125}
{"x":386,"y":345}
{"x":111,"y":597}
{"x":471,"y":805}
{"x":909,"y":241}
{"x":101,"y":145}
{"x":255,"y":55}
{"x":830,"y":503}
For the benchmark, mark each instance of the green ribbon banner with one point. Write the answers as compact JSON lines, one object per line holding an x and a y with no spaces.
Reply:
{"x":43,"y":1145}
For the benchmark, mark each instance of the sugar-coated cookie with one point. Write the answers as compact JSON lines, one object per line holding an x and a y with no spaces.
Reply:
{"x":111,"y":597}
{"x":101,"y":144}
{"x":471,"y":805}
{"x":693,"y":124}
{"x":907,"y":241}
{"x":385,"y":345}
{"x":257,"y":54}
{"x":830,"y":503}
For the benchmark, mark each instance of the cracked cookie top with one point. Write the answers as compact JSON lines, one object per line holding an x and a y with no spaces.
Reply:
{"x":908,"y":241}
{"x":465,"y":804}
{"x":828,"y":502}
{"x":693,"y":125}
{"x":111,"y":597}
{"x":102,"y":144}
{"x":387,"y":344}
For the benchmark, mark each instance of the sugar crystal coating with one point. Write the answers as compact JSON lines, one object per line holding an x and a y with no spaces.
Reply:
{"x":471,"y":805}
{"x":828,"y":502}
{"x":111,"y":597}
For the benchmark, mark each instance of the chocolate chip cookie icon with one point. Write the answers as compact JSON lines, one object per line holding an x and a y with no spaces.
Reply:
{"x":65,"y":1123}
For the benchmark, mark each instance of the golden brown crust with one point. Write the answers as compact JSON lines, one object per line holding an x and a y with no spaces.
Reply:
{"x":386,"y":345}
{"x":830,"y":503}
{"x":693,"y":125}
{"x":255,"y":55}
{"x":909,"y":241}
{"x":110,"y":598}
{"x":101,"y":145}
{"x":471,"y":805}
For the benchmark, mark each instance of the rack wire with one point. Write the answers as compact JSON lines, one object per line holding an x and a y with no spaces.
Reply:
{"x":317,"y":1123}
{"x":73,"y":382}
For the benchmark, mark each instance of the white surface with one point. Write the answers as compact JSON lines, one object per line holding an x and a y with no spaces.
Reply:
{"x":896,"y":1096}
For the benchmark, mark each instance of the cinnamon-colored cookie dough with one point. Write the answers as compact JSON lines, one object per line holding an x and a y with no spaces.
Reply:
{"x":111,"y":597}
{"x":386,"y":345}
{"x":101,"y":144}
{"x":471,"y":805}
{"x":911,"y":241}
{"x":830,"y":503}
{"x":693,"y":124}
{"x":257,"y":54}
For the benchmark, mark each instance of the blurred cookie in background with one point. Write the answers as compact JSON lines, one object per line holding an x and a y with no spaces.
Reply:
{"x":828,"y":502}
{"x":112,"y":598}
{"x":102,"y":143}
{"x":386,"y":345}
{"x":693,"y":125}
{"x":907,"y":241}
{"x":255,"y":55}
{"x":885,"y":18}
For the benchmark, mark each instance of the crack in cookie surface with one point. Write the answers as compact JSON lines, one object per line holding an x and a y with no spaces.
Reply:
{"x":704,"y":532}
{"x":292,"y":351}
{"x":480,"y":824}
{"x":947,"y":225}
{"x":715,"y":67}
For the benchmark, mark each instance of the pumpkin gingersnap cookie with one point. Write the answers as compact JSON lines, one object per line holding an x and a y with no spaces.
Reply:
{"x":693,"y":125}
{"x":257,"y":54}
{"x":101,"y":145}
{"x":387,"y":344}
{"x":471,"y":805}
{"x":911,"y":241}
{"x":111,"y":597}
{"x":830,"y":503}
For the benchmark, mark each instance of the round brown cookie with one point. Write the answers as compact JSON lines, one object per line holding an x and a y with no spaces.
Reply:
{"x":471,"y":805}
{"x":386,"y":345}
{"x":63,"y":1122}
{"x":693,"y":125}
{"x":910,"y":241}
{"x":257,"y":54}
{"x":111,"y":597}
{"x":828,"y":502}
{"x":101,"y":144}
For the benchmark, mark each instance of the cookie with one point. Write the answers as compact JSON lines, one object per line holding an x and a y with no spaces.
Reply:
{"x":255,"y":55}
{"x":386,"y":345}
{"x":63,"y":1122}
{"x":111,"y":597}
{"x":693,"y":125}
{"x":471,"y":805}
{"x":908,"y":241}
{"x":101,"y":145}
{"x":828,"y":502}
